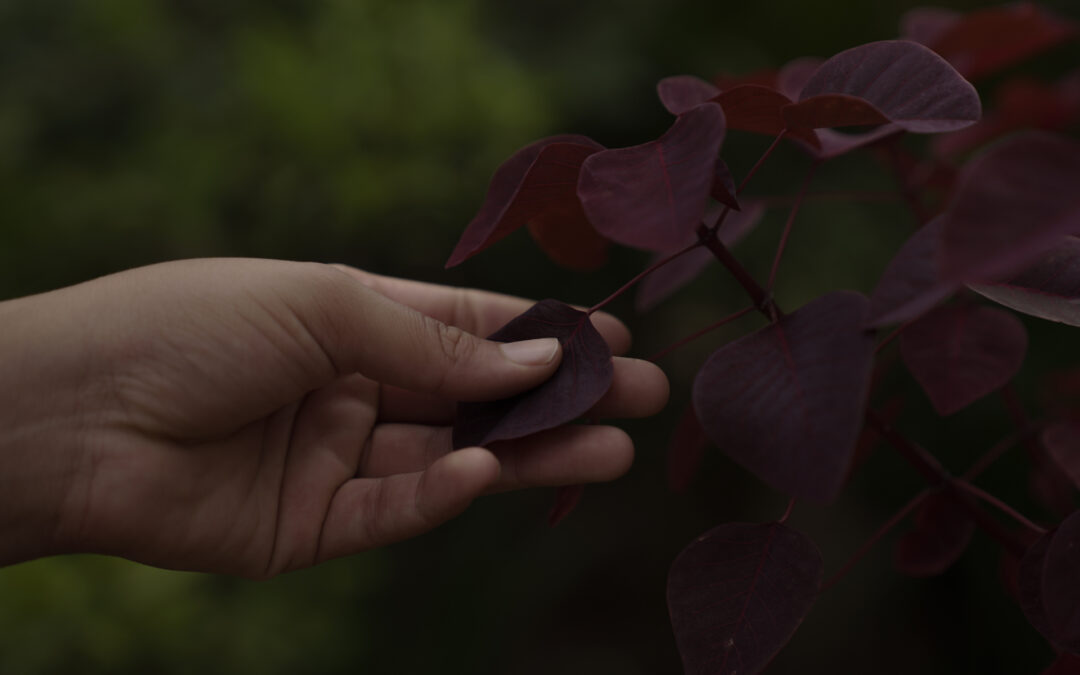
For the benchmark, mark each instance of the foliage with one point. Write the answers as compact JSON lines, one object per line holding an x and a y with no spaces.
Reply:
{"x":788,"y":401}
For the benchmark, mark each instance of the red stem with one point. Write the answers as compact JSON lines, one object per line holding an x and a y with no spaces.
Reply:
{"x":791,"y":221}
{"x":892,"y":336}
{"x":1000,"y":448}
{"x":690,"y":338}
{"x":761,"y":160}
{"x":648,"y":270}
{"x":1000,"y":505}
{"x":787,"y":511}
{"x":912,"y":198}
{"x":763,"y":302}
{"x":874,"y":538}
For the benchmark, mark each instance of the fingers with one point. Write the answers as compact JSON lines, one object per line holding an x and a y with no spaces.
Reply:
{"x":564,"y":456}
{"x":370,"y":512}
{"x":477,"y":312}
{"x":360,"y":330}
{"x":638,"y":389}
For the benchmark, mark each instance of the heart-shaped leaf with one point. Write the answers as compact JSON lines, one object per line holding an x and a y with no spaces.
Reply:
{"x":738,"y":593}
{"x":787,"y":401}
{"x":583,"y":377}
{"x":984,"y":41}
{"x":1049,"y":289}
{"x":538,"y":177}
{"x":960,"y":353}
{"x":760,"y":109}
{"x":659,"y":285}
{"x":895,"y":81}
{"x":685,"y":451}
{"x":1061,"y":583}
{"x":680,"y":93}
{"x":1062,"y":443}
{"x":1012,"y":203}
{"x":652,"y":196}
{"x":912,"y":282}
{"x":942,"y":533}
{"x":565,"y":234}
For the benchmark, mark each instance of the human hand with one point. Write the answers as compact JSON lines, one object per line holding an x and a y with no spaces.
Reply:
{"x":252,"y":417}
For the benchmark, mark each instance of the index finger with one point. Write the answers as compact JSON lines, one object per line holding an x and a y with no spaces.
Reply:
{"x":475,"y":311}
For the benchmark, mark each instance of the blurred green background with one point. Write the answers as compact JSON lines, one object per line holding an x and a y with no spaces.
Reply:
{"x":136,"y":131}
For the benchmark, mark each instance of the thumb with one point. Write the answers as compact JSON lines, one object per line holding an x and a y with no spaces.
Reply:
{"x":363,"y":331}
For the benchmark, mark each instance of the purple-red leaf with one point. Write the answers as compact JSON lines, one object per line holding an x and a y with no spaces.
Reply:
{"x":538,"y":177}
{"x":680,"y":93}
{"x":583,"y":376}
{"x":986,"y":40}
{"x":685,"y":451}
{"x":760,"y":109}
{"x":738,"y":593}
{"x":652,"y":196}
{"x":1049,"y":289}
{"x":565,"y":234}
{"x":891,"y":81}
{"x":942,"y":532}
{"x":787,"y":401}
{"x":912,"y":282}
{"x":1066,"y":664}
{"x":659,"y":285}
{"x":1012,"y":203}
{"x":1062,"y":443}
{"x":1061,"y":583}
{"x":960,"y":353}
{"x":567,"y":497}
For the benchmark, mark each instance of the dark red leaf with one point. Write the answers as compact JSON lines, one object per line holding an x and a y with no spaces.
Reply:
{"x":567,"y":498}
{"x":912,"y":282}
{"x":1066,"y":664}
{"x":787,"y":401}
{"x":926,"y":24}
{"x":738,"y":593}
{"x":766,"y":77}
{"x":760,"y":109}
{"x":565,"y":234}
{"x":680,"y":93}
{"x":538,"y":177}
{"x":1061,"y":583}
{"x":659,"y":285}
{"x":685,"y":451}
{"x":984,"y":41}
{"x":960,"y":353}
{"x":583,"y":376}
{"x":896,"y":81}
{"x":795,"y":74}
{"x":1062,"y":443}
{"x":942,"y":533}
{"x":652,"y":196}
{"x":723,"y":187}
{"x":1012,"y":203}
{"x":1049,"y":289}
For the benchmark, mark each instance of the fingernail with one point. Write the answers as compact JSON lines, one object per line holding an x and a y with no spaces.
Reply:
{"x":531,"y":352}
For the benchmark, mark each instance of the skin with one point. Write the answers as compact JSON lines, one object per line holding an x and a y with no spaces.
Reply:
{"x":251,"y":417}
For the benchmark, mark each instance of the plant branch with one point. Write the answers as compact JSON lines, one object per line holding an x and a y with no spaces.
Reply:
{"x":1000,"y":505}
{"x":641,"y":275}
{"x":875,"y":538}
{"x":892,"y":336}
{"x":790,"y":222}
{"x":787,"y":511}
{"x":693,"y":336}
{"x":763,"y":301}
{"x":1000,"y":448}
{"x":761,"y":160}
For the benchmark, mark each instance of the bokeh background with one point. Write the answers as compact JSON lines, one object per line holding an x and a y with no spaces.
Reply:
{"x":364,"y":132}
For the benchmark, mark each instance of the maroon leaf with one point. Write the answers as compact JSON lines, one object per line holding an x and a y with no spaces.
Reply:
{"x":942,"y":533}
{"x":1062,"y":443}
{"x":787,"y":401}
{"x":960,"y":353}
{"x":891,"y":81}
{"x":1066,"y":664}
{"x":565,"y":234}
{"x":567,"y":498}
{"x":926,"y":24}
{"x":538,"y":177}
{"x":652,"y":196}
{"x":1049,"y":289}
{"x":984,"y":41}
{"x":659,"y":285}
{"x":680,"y":93}
{"x":583,"y":376}
{"x":1061,"y":583}
{"x":912,"y":282}
{"x":1012,"y":203}
{"x":795,"y":74}
{"x":738,"y":593}
{"x":685,"y":451}
{"x":760,"y":109}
